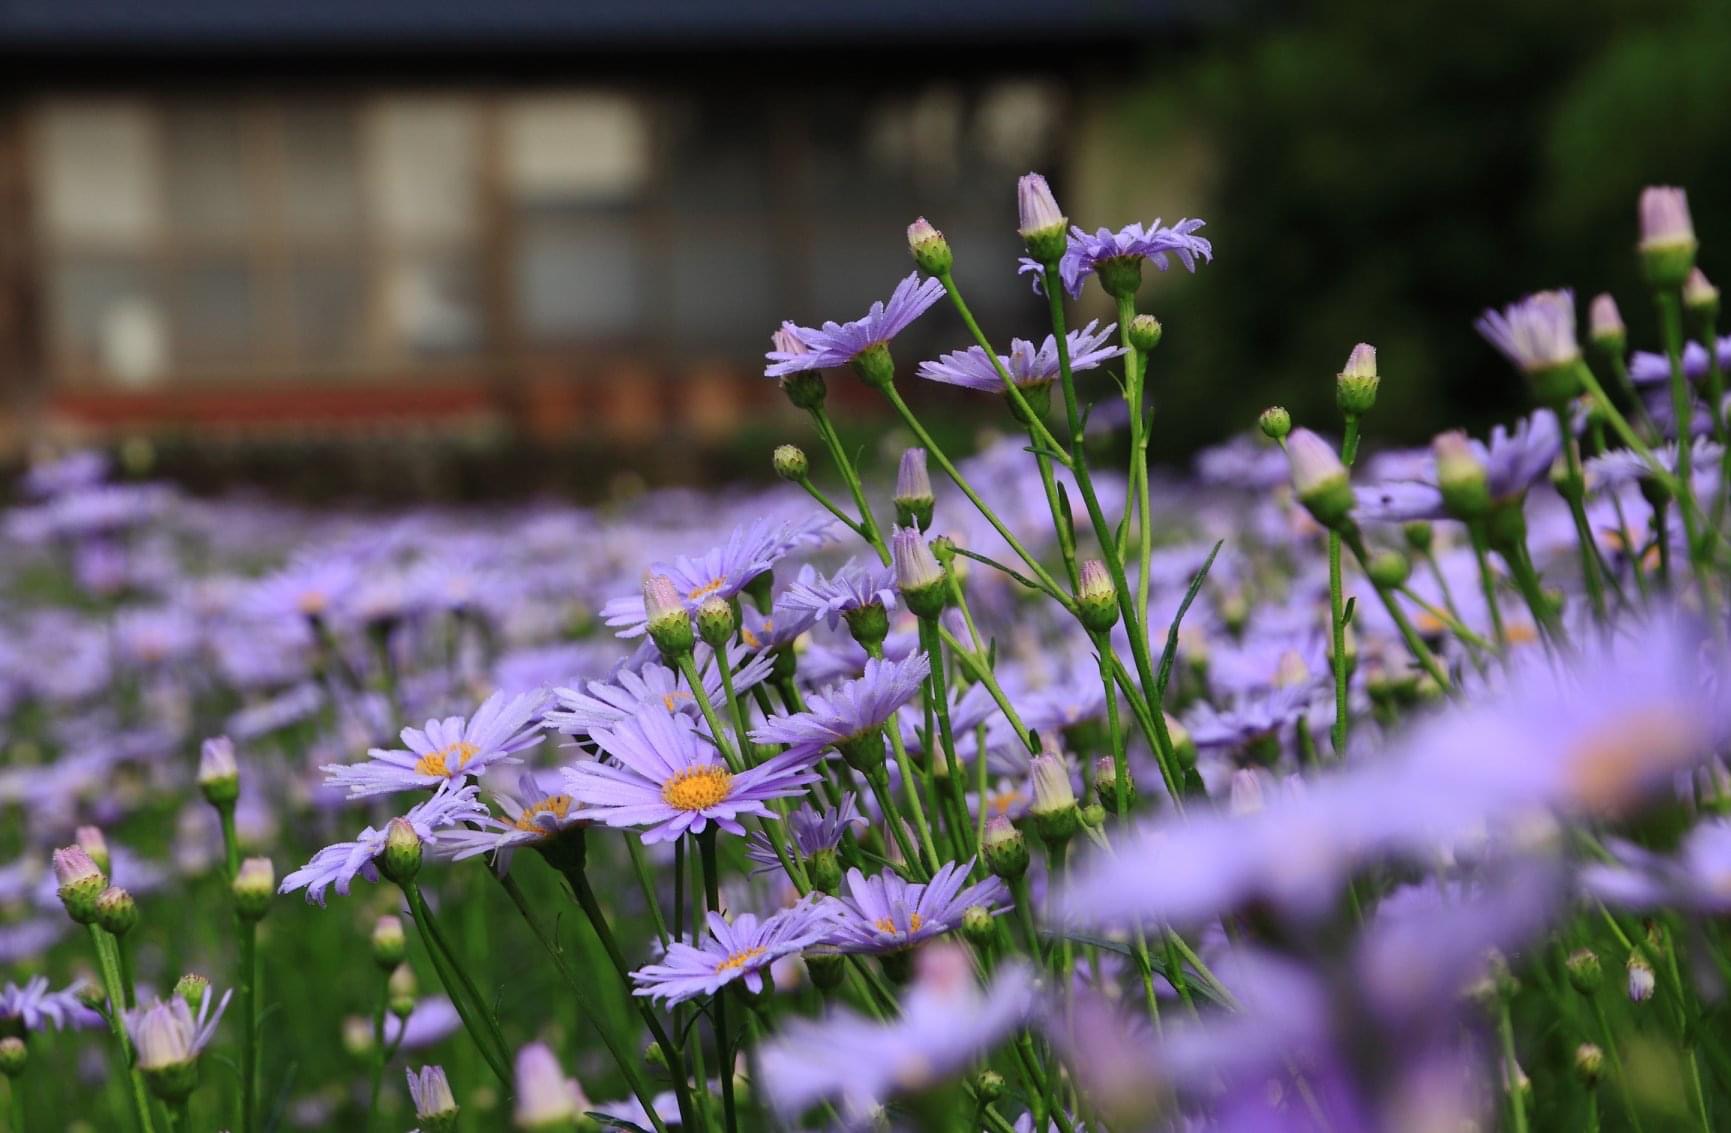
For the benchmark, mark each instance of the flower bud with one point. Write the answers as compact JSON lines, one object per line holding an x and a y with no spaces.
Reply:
{"x":1183,"y":744}
{"x":218,"y":774}
{"x":1418,"y":536}
{"x":790,"y":463}
{"x":1097,"y":597}
{"x":357,"y":1036}
{"x":1605,"y":327}
{"x":401,"y":859}
{"x":191,"y":989}
{"x":400,"y":991}
{"x":1054,"y":811}
{"x":978,"y":928}
{"x":1586,"y":975}
{"x":14,"y":1055}
{"x":804,"y":388}
{"x":1461,"y":476}
{"x":91,"y":841}
{"x":865,"y":754}
{"x":875,"y":367}
{"x":988,"y":1086}
{"x":116,"y":911}
{"x":1004,"y":848}
{"x":1106,"y":784}
{"x":1589,"y":1064}
{"x":1668,"y":245}
{"x":914,"y":500}
{"x":80,"y":883}
{"x":1275,"y":423}
{"x":388,"y":943}
{"x":1700,"y":297}
{"x":91,"y":995}
{"x":918,"y":577}
{"x":669,"y":623}
{"x":1319,"y":478}
{"x":1040,"y":222}
{"x":1145,"y":332}
{"x":546,"y":1098}
{"x":929,"y":248}
{"x":715,"y":621}
{"x":828,"y":970}
{"x":253,"y":886}
{"x":1355,"y":386}
{"x":1388,"y":569}
{"x":435,"y":1106}
{"x":1641,"y":979}
{"x":1093,"y":816}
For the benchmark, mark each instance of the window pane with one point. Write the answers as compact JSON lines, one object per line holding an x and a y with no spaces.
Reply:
{"x":216,"y":316}
{"x":109,"y":319}
{"x":321,"y":189}
{"x":723,"y":277}
{"x":434,"y":303}
{"x":96,"y":173}
{"x":575,"y":148}
{"x":577,"y":273}
{"x":424,"y":166}
{"x":209,"y":189}
{"x":328,"y":298}
{"x":719,"y":154}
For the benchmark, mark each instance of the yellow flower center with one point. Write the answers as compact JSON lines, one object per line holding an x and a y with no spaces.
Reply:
{"x":674,"y":698}
{"x":555,"y":805}
{"x":888,"y":927}
{"x":707,"y":589}
{"x":697,"y":788}
{"x":739,"y":959}
{"x":438,"y":763}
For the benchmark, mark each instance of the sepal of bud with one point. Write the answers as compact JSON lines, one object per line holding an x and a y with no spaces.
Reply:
{"x":869,"y":624}
{"x":828,"y":970}
{"x":1388,"y":569}
{"x":824,"y":869}
{"x":716,"y":622}
{"x":1461,"y":476}
{"x":401,"y":859}
{"x":929,"y":248}
{"x":978,"y":928}
{"x":1005,"y":850}
{"x":1586,"y":974}
{"x":875,"y":367}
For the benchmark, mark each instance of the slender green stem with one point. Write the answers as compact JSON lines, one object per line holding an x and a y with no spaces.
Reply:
{"x":723,"y":1042}
{"x":1414,"y":643}
{"x":471,"y":1009}
{"x":939,"y":693}
{"x":15,"y":1103}
{"x":1337,"y":607}
{"x":1488,"y":582}
{"x":246,"y":932}
{"x":1511,"y":1068}
{"x":1609,"y":1041}
{"x":1574,"y":493}
{"x":879,"y":778}
{"x":378,"y":1053}
{"x":741,"y":723}
{"x":111,"y":985}
{"x":694,"y":679}
{"x":230,"y":841}
{"x":832,"y":440}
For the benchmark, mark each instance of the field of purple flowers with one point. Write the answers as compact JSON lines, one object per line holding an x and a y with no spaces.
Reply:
{"x":1319,"y":790}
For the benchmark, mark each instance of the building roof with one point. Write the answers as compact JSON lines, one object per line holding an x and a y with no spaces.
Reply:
{"x":128,"y":25}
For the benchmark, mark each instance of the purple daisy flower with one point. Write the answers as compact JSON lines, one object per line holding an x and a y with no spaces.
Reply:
{"x":849,"y":710}
{"x":533,"y":815}
{"x":1029,"y":367}
{"x":1085,"y":252}
{"x":1535,"y":333}
{"x":853,"y":586}
{"x":602,"y":704}
{"x":1698,"y":877}
{"x":741,"y":950}
{"x":447,"y":750}
{"x":810,"y":830}
{"x":947,"y":1022}
{"x":1514,"y":461}
{"x":31,"y":1006}
{"x":837,"y":344}
{"x":886,"y":913}
{"x":671,"y":779}
{"x":1649,"y":369}
{"x":339,"y":863}
{"x":1255,"y":716}
{"x":167,"y":1034}
{"x":750,"y":550}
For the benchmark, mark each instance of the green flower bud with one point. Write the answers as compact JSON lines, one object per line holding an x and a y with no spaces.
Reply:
{"x":218,"y":773}
{"x":1418,"y":535}
{"x":1388,"y":569}
{"x":828,"y":970}
{"x":389,"y":945}
{"x":1605,"y":326}
{"x":988,"y":1086}
{"x":1275,"y":423}
{"x":1589,"y":1064}
{"x":805,"y":389}
{"x":715,"y":621}
{"x":1054,"y":812}
{"x":978,"y":928}
{"x":1119,"y":276}
{"x":1319,"y":478}
{"x":1097,"y":597}
{"x":1004,"y":849}
{"x":865,"y":754}
{"x":253,"y":887}
{"x":875,"y":367}
{"x":1586,"y":974}
{"x":1145,"y":332}
{"x":1700,"y":297}
{"x":1355,"y":386}
{"x":1461,"y":476}
{"x":1094,"y":816}
{"x":91,"y":841}
{"x":1039,"y":221}
{"x":116,"y":911}
{"x":914,"y":499}
{"x":91,"y":995}
{"x":669,"y":623}
{"x":824,"y":869}
{"x":1106,"y":784}
{"x":401,"y":860}
{"x":929,"y":248}
{"x":919,"y":578}
{"x":14,"y":1055}
{"x":1183,"y":744}
{"x":869,"y":624}
{"x":790,"y":463}
{"x":400,"y":991}
{"x":1555,"y":386}
{"x":1668,"y":244}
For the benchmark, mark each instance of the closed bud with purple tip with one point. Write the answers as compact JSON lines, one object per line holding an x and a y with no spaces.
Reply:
{"x":790,"y":463}
{"x":14,"y":1056}
{"x":669,"y":623}
{"x":1040,"y":222}
{"x":1106,"y":785}
{"x":716,"y":621}
{"x":1461,"y":476}
{"x":919,"y":578}
{"x":1641,"y":979}
{"x":804,"y":388}
{"x":1589,"y":1064}
{"x":547,"y":1100}
{"x":400,"y":991}
{"x":1145,"y":332}
{"x":914,"y":499}
{"x":116,"y":911}
{"x":1097,"y":597}
{"x":1004,"y":849}
{"x":1319,"y":478}
{"x":1700,"y":297}
{"x":1668,"y":245}
{"x":80,"y":883}
{"x":218,"y":773}
{"x":435,"y":1105}
{"x":1355,"y":386}
{"x":1054,"y":811}
{"x":90,"y":839}
{"x":1605,"y":324}
{"x":929,"y":248}
{"x":401,"y":860}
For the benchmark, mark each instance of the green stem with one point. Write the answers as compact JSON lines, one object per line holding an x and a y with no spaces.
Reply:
{"x":230,"y":841}
{"x":1414,"y":643}
{"x":471,"y":1009}
{"x":110,"y":970}
{"x":832,"y":440}
{"x":1511,"y":1068}
{"x":1488,"y":582}
{"x":247,"y":933}
{"x":378,"y":1060}
{"x":723,"y":1051}
{"x":688,"y":667}
{"x":939,"y":692}
{"x":1610,"y":1045}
